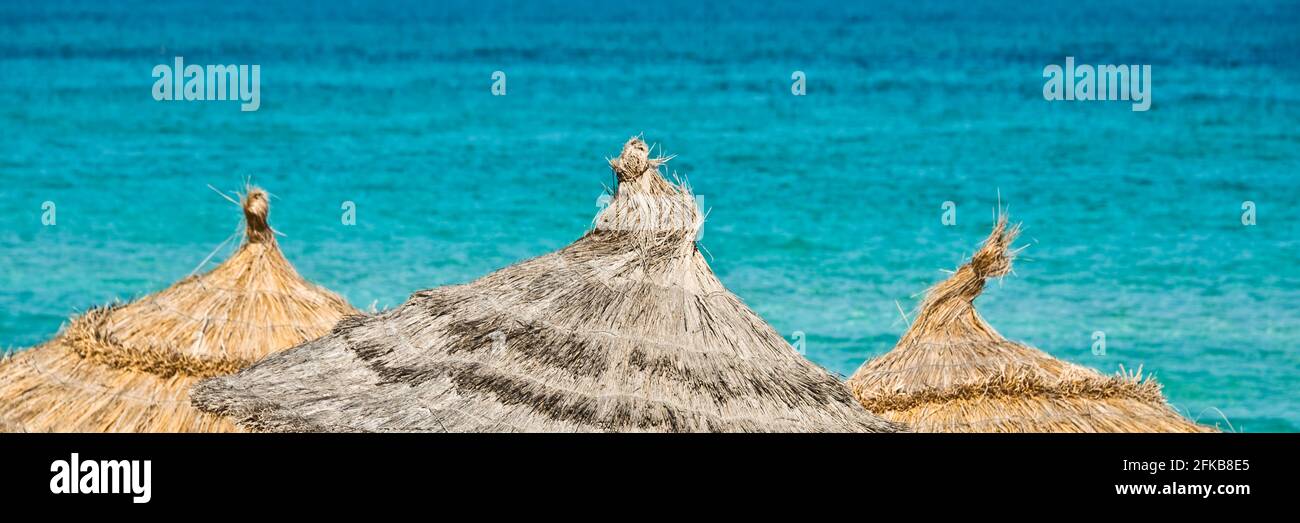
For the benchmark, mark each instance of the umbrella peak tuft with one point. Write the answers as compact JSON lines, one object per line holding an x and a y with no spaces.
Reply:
{"x":634,"y":161}
{"x":992,"y":260}
{"x":256,"y":208}
{"x":995,"y":255}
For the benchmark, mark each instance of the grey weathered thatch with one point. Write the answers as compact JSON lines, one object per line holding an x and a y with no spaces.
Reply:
{"x":626,"y":329}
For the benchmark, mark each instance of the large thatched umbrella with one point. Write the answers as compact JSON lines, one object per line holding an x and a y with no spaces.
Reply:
{"x":129,"y":367}
{"x":626,"y":329}
{"x":952,"y":372}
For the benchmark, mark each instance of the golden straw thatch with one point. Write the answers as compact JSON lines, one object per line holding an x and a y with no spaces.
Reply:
{"x":952,"y":372}
{"x":627,"y":329}
{"x":129,"y":367}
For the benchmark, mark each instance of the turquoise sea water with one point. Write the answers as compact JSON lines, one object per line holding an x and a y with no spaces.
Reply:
{"x":824,"y":209}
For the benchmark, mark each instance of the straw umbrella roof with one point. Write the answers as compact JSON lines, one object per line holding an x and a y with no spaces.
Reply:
{"x":952,"y":372}
{"x":627,"y":329}
{"x":128,"y":367}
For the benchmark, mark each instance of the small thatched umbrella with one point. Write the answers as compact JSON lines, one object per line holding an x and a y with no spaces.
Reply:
{"x":626,"y":329}
{"x":952,"y":372}
{"x":129,"y":367}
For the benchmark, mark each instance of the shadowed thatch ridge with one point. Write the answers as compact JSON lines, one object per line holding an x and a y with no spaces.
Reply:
{"x":128,"y":367}
{"x":627,"y":329}
{"x":952,"y":372}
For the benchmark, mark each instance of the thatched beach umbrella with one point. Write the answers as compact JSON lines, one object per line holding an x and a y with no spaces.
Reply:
{"x":952,"y":372}
{"x":626,"y":329}
{"x":129,"y":367}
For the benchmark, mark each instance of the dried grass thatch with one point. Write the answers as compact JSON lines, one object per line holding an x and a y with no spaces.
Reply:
{"x":952,"y":372}
{"x":129,"y":367}
{"x":627,"y":330}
